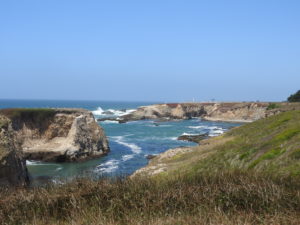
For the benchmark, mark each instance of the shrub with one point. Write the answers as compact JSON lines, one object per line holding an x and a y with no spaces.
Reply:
{"x":294,"y":97}
{"x":272,"y":106}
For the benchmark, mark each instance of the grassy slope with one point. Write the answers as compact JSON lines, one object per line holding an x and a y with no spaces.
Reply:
{"x":248,"y":176}
{"x":270,"y":145}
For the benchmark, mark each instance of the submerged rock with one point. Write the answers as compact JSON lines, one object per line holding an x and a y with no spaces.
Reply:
{"x":193,"y":137}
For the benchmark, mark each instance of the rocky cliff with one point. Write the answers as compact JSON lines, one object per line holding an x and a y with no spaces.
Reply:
{"x":46,"y":134}
{"x":12,"y":164}
{"x":233,"y":112}
{"x":57,"y":134}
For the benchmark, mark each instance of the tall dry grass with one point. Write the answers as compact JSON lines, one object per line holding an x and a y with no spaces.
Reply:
{"x":221,"y":198}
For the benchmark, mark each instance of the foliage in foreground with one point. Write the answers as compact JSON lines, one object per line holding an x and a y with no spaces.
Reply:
{"x":220,"y":198}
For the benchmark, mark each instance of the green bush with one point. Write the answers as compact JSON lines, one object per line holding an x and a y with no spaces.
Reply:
{"x":294,"y":97}
{"x":272,"y":106}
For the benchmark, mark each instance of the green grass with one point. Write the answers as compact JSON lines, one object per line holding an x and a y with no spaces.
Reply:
{"x":270,"y":145}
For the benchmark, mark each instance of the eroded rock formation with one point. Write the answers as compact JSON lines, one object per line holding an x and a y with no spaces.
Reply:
{"x":233,"y":112}
{"x":46,"y":134}
{"x":13,"y":169}
{"x":58,"y":134}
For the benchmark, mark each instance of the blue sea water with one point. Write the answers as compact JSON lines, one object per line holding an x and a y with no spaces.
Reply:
{"x":130,"y":143}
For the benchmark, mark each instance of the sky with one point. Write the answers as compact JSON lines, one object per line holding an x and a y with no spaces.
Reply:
{"x":158,"y":50}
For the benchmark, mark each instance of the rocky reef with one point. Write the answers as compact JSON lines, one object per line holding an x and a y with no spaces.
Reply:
{"x":58,"y":135}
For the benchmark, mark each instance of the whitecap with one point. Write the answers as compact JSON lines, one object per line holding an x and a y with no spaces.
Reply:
{"x":198,"y":127}
{"x":188,"y":134}
{"x":216,"y":132}
{"x":32,"y":163}
{"x":112,"y":112}
{"x":127,"y":157}
{"x":134,"y":148}
{"x":109,"y":121}
{"x":158,"y":138}
{"x":98,"y":112}
{"x":108,"y":167}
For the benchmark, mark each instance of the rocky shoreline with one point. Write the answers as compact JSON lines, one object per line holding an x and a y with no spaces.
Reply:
{"x":225,"y":111}
{"x":58,"y":135}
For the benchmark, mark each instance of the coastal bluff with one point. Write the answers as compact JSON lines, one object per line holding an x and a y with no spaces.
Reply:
{"x":223,"y":111}
{"x":58,"y":135}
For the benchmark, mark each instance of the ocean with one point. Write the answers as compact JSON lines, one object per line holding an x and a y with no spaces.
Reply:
{"x":130,"y":143}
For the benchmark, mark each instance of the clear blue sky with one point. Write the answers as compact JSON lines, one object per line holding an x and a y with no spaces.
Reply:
{"x":157,"y":50}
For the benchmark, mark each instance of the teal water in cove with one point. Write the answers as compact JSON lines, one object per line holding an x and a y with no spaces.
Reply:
{"x":130,"y":143}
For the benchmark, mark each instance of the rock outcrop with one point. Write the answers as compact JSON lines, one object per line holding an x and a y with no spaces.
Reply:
{"x":57,"y":134}
{"x":13,"y":171}
{"x":197,"y":138}
{"x":231,"y":112}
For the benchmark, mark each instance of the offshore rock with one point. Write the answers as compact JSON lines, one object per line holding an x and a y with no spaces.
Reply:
{"x":197,"y":138}
{"x":230,"y":112}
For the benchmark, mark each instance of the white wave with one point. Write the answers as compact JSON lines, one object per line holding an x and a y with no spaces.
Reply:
{"x":134,"y":148}
{"x":108,"y":167}
{"x":109,"y":121}
{"x":38,"y":163}
{"x":98,"y":111}
{"x":198,"y":127}
{"x":189,"y":134}
{"x":32,"y":163}
{"x":158,"y":138}
{"x":216,"y":132}
{"x":112,"y":112}
{"x":214,"y":128}
{"x":58,"y":169}
{"x":127,"y":157}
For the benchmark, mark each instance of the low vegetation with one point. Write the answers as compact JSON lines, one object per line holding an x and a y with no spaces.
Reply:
{"x":28,"y":114}
{"x":272,"y":106}
{"x":233,"y":197}
{"x":270,"y":145}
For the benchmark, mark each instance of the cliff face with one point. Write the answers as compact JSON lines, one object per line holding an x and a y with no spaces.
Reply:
{"x":235,"y":112}
{"x":12,"y":164}
{"x":57,"y":134}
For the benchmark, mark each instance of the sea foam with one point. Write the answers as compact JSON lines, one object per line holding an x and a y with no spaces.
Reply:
{"x":134,"y":148}
{"x":108,"y":167}
{"x":112,"y":112}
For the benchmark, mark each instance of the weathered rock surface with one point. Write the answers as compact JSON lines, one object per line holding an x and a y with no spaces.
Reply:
{"x":62,"y":135}
{"x":197,"y":138}
{"x":231,"y":112}
{"x":13,"y":171}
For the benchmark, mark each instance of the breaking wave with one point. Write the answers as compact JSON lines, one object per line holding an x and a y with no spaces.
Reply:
{"x":127,"y":157}
{"x":134,"y":148}
{"x":112,"y":112}
{"x":108,"y":167}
